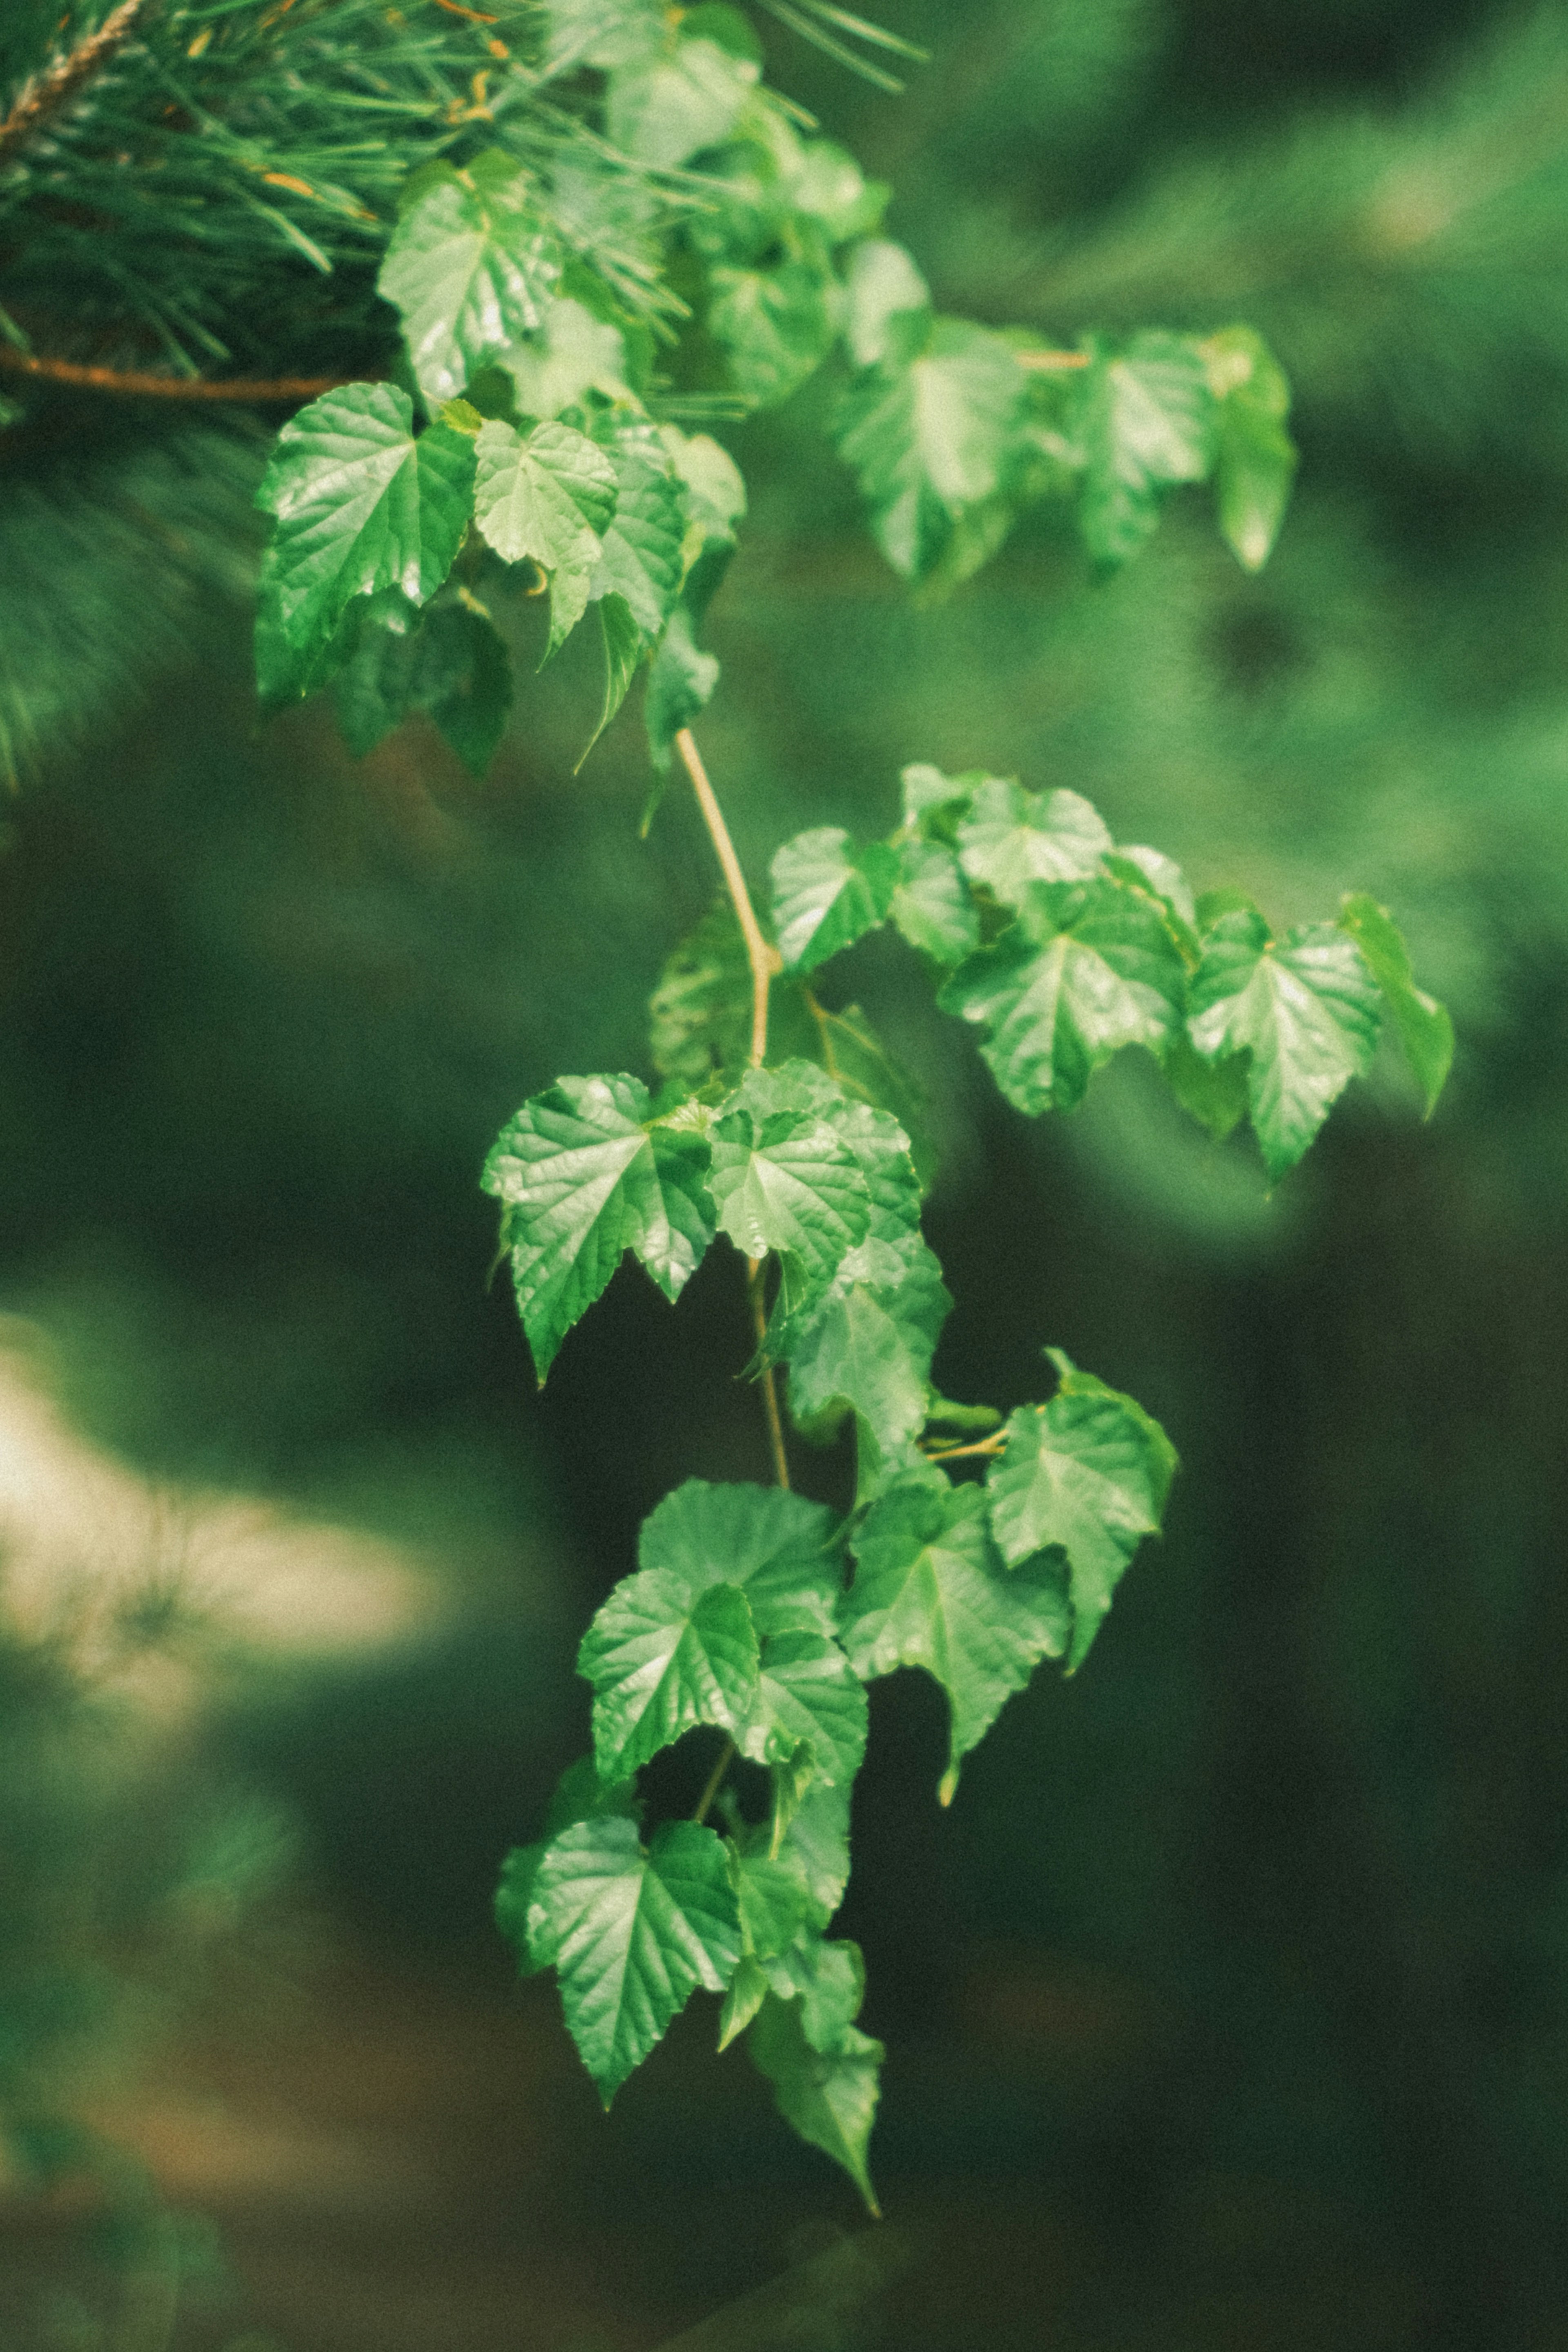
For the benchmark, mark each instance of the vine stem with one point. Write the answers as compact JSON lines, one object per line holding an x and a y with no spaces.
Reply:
{"x":763,"y":957}
{"x":47,"y":92}
{"x":143,"y":383}
{"x":1052,"y":362}
{"x":964,"y":1453}
{"x":727,"y":1755}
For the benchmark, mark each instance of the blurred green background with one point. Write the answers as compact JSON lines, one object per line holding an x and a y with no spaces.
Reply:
{"x":1228,"y":2007}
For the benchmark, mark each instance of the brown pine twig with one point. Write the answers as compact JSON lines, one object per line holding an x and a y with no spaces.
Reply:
{"x":143,"y":383}
{"x":47,"y":92}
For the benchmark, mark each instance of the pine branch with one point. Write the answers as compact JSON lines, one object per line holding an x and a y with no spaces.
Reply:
{"x":141,"y":384}
{"x":47,"y":93}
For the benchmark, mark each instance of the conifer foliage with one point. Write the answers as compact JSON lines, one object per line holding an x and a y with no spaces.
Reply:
{"x":501,"y":271}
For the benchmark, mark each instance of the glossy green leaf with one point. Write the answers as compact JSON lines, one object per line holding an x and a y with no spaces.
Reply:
{"x":360,"y":504}
{"x":775,"y":326}
{"x":785,"y":1176}
{"x":1086,"y":970}
{"x":623,"y":643}
{"x":584,"y":1177}
{"x":930,"y":1589}
{"x":778,"y":1548}
{"x":1148,"y":420}
{"x":930,"y":904}
{"x":830,"y":2096}
{"x":817,"y":1842}
{"x":666,"y":105}
{"x":828,"y":892}
{"x":1150,"y":870}
{"x":1424,"y":1027}
{"x":1087,"y":1474}
{"x":1305,"y":1008}
{"x":807,"y":1693}
{"x":747,"y":1991}
{"x":1255,"y":461}
{"x":548,"y":496}
{"x":1010,"y":837}
{"x":631,"y":1931}
{"x":470,"y":268}
{"x":774,"y":1900}
{"x":887,"y":297}
{"x":931,"y":438}
{"x":640,"y":558}
{"x":580,"y":1796}
{"x":663,"y":1658}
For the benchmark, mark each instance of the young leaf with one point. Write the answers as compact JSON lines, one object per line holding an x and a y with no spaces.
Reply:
{"x":664,"y":1658}
{"x":1148,"y":419}
{"x":1010,"y":837}
{"x":574,"y":353}
{"x":785,"y":1176}
{"x":887,"y":299}
{"x":931,"y":1590}
{"x":470,"y":268}
{"x":584,"y":1178}
{"x":828,"y":893}
{"x":632,"y":1931}
{"x":1086,"y":970}
{"x":806,"y":1693}
{"x":777,"y":1547}
{"x":932,"y":438}
{"x":360,"y":505}
{"x":930,"y":904}
{"x":666,"y":105}
{"x":1087,"y":1474}
{"x":775,"y":326}
{"x":549,"y":496}
{"x":1255,"y":461}
{"x":681,"y":681}
{"x":829,"y":2095}
{"x":641,"y":559}
{"x":1426,"y":1031}
{"x":1304,"y":1007}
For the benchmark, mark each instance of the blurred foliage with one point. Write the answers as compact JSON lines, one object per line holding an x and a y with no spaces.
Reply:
{"x":1252,"y":1963}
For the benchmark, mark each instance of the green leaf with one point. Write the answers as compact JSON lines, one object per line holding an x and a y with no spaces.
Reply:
{"x":641,"y":559}
{"x":829,"y":2096}
{"x":584,"y":1178}
{"x":888,"y":298}
{"x":663,"y":1658}
{"x":547,"y":497}
{"x":806,"y":1693}
{"x":826,"y":1978}
{"x":681,"y":681}
{"x":699,"y":1017}
{"x":867,"y":1348}
{"x":747,"y":1991}
{"x":715,"y":493}
{"x":574,"y":353}
{"x":1086,"y":970}
{"x":580,"y":1796}
{"x":666,"y":106}
{"x":1148,"y":420}
{"x":779,"y":1549}
{"x":1088,"y":1474}
{"x":1214,"y":1093}
{"x":930,"y":1590}
{"x":1426,"y":1031}
{"x":785,"y":1176}
{"x":817,"y":1844}
{"x":624,"y":646}
{"x":775,"y":326}
{"x":930,"y":904}
{"x":1305,"y":1008}
{"x":632,"y":1931}
{"x":1150,"y":870}
{"x":828,"y":892}
{"x":774,"y":1900}
{"x":447,"y":662}
{"x":470,"y":268}
{"x":360,"y":505}
{"x":933,"y":802}
{"x":1010,"y":837}
{"x":1256,"y":462}
{"x":930,"y":439}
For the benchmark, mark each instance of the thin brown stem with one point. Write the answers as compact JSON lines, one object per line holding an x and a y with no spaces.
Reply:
{"x":142,"y":384}
{"x":47,"y":92}
{"x":762,"y":956}
{"x":727,"y":1755}
{"x":769,"y":1386}
{"x":1052,"y":362}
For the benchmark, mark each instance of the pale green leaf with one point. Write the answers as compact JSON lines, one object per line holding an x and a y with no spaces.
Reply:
{"x":933,"y":438}
{"x":665,"y":106}
{"x":360,"y":504}
{"x":580,"y":1796}
{"x":930,"y":1589}
{"x":572,"y":353}
{"x":624,"y":644}
{"x":1010,"y":837}
{"x":785,"y":1176}
{"x":1305,"y":1008}
{"x":469,"y":267}
{"x":583,"y":1178}
{"x":1086,"y":970}
{"x":779,"y":1549}
{"x":631,"y":1931}
{"x":641,"y":559}
{"x":930,"y":904}
{"x":1255,"y":461}
{"x":774,"y":326}
{"x":1425,"y":1029}
{"x":549,"y":496}
{"x":663,"y":1658}
{"x":887,"y":295}
{"x":806,"y":1693}
{"x":828,"y":892}
{"x":1087,"y":1474}
{"x":1148,"y":420}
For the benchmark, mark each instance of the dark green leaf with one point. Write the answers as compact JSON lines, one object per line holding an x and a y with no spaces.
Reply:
{"x":548,"y":496}
{"x":1305,"y":1008}
{"x":1148,"y":419}
{"x":584,"y":1178}
{"x":447,"y":662}
{"x":1426,"y":1031}
{"x":1088,"y":1474}
{"x":930,"y":1589}
{"x":828,"y":2095}
{"x":632,"y":1932}
{"x":664,"y":1657}
{"x":360,"y":505}
{"x":1086,"y":970}
{"x":827,"y":893}
{"x":1215,"y":1093}
{"x":470,"y":267}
